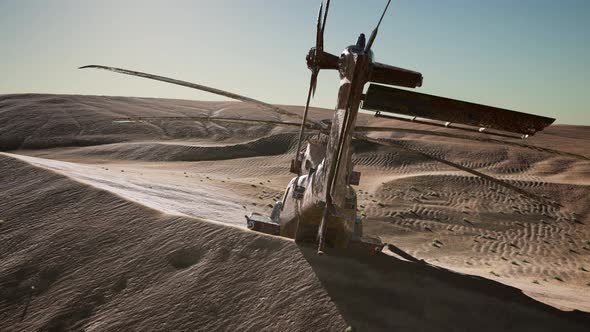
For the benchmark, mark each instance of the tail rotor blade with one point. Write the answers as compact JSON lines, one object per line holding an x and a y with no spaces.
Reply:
{"x":319,"y":38}
{"x":324,"y":21}
{"x":314,"y":81}
{"x":315,"y":70}
{"x":319,"y":46}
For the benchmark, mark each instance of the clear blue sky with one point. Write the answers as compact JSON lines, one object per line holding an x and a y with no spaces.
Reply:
{"x":527,"y":55}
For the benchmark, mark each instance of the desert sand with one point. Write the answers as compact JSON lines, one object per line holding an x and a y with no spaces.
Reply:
{"x":139,"y":226}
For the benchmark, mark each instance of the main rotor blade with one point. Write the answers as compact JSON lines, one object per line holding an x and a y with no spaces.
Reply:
{"x":374,"y":33}
{"x":393,"y":100}
{"x":465,"y":169}
{"x":209,"y":118}
{"x":360,"y":129}
{"x":194,"y":86}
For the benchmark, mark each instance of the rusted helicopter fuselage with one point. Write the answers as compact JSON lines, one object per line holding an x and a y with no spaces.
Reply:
{"x":324,"y":188}
{"x":319,"y":204}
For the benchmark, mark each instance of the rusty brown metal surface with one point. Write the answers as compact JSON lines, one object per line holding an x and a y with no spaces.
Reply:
{"x":388,"y":99}
{"x":386,"y":74}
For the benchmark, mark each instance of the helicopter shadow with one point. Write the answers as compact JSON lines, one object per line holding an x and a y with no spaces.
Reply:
{"x":385,"y":293}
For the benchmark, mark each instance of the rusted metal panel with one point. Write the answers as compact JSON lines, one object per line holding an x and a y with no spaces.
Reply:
{"x":388,"y":99}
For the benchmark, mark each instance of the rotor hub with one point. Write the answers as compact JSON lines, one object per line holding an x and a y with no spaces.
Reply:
{"x":320,"y":60}
{"x":312,"y":59}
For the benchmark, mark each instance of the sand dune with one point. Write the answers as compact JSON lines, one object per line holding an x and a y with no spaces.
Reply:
{"x":121,"y":225}
{"x":187,"y":151}
{"x":100,"y":262}
{"x":58,"y":121}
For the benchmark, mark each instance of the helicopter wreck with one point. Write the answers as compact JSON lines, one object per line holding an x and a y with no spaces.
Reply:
{"x":319,"y":204}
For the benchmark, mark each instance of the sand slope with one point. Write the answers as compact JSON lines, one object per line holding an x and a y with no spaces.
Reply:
{"x":89,"y":207}
{"x":99,"y":262}
{"x":104,"y":263}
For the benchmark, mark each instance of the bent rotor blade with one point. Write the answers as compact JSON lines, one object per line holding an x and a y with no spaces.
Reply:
{"x":194,"y":86}
{"x":362,"y":129}
{"x":463,"y":168}
{"x":209,"y":118}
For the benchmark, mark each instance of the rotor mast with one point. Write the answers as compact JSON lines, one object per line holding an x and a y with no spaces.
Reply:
{"x":354,"y":66}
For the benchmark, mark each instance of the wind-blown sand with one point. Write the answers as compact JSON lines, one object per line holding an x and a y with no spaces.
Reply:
{"x":139,"y":226}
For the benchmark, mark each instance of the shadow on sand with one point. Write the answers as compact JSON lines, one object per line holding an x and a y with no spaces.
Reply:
{"x":384,"y":293}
